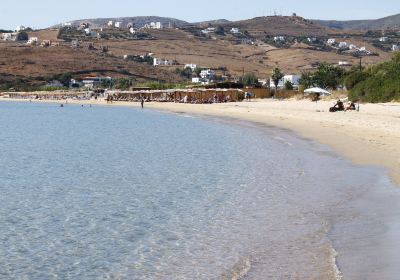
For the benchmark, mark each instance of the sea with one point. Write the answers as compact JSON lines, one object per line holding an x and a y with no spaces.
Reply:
{"x":102,"y":192}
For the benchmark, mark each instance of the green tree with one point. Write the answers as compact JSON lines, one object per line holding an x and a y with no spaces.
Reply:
{"x":306,"y":80}
{"x":106,"y":83}
{"x":63,"y":78}
{"x":249,"y":79}
{"x":276,"y":76}
{"x":381,"y":83}
{"x":220,"y":30}
{"x":123,"y":83}
{"x":22,"y":36}
{"x":328,"y":76}
{"x":354,"y":76}
{"x":187,"y":72}
{"x":197,"y":71}
{"x":288,"y":85}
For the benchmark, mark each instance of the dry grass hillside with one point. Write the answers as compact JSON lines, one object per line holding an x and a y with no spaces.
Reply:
{"x":280,"y":25}
{"x":35,"y":61}
{"x":184,"y":46}
{"x":259,"y":58}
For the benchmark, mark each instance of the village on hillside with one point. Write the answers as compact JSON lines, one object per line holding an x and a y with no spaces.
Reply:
{"x":120,"y":54}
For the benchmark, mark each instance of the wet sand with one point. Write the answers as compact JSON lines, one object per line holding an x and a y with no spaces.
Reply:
{"x":368,"y":137}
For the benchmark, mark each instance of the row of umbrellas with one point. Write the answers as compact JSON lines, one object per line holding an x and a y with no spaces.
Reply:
{"x":320,"y":91}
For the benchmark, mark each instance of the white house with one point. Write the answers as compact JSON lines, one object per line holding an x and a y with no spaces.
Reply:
{"x":383,"y":39}
{"x":158,"y":25}
{"x":75,"y":83}
{"x":352,"y":47}
{"x":132,"y":30}
{"x":32,"y":41}
{"x":157,"y":61}
{"x":395,"y":48}
{"x":118,"y":24}
{"x":363,"y":49}
{"x":162,"y":62}
{"x":343,"y":45}
{"x":154,"y":25}
{"x":344,"y":63}
{"x":294,"y":79}
{"x":91,"y":33}
{"x":91,"y":82}
{"x":279,"y":38}
{"x":9,"y":36}
{"x":46,"y":43}
{"x":207,"y":74}
{"x":84,"y":25}
{"x":196,"y":80}
{"x":208,"y":30}
{"x":110,"y":23}
{"x":331,"y":41}
{"x":235,"y":30}
{"x":311,"y":39}
{"x":191,"y":66}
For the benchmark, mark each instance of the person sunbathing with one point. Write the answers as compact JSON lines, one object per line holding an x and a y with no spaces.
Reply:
{"x":350,"y":107}
{"x":337,"y":107}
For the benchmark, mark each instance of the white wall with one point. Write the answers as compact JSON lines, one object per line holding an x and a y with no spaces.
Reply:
{"x":294,"y":79}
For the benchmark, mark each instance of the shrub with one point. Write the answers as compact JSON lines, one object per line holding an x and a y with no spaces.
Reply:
{"x":380,"y":83}
{"x":288,"y":85}
{"x":249,"y":79}
{"x":327,"y":76}
{"x":22,"y":36}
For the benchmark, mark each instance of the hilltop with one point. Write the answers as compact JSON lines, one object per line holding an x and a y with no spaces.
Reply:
{"x":280,"y":25}
{"x":139,"y":21}
{"x":272,"y":25}
{"x":390,"y":22}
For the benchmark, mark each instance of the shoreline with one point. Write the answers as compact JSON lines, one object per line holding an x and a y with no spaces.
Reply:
{"x":368,"y":137}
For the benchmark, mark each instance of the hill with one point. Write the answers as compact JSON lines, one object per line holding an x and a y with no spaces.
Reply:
{"x":272,"y":25}
{"x":252,"y":50}
{"x":212,"y":22}
{"x":390,"y":22}
{"x":279,"y":25}
{"x":138,"y":21}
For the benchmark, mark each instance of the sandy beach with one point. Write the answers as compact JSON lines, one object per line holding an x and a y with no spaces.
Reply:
{"x":370,"y":136}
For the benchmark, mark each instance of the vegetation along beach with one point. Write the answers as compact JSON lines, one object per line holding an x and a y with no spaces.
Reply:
{"x":202,"y":145}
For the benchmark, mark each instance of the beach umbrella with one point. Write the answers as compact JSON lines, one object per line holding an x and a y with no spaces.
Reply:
{"x":318,"y":90}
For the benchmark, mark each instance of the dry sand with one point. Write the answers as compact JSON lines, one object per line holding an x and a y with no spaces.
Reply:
{"x":370,"y":136}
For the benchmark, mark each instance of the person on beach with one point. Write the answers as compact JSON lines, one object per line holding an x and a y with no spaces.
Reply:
{"x":350,"y":107}
{"x":337,"y":107}
{"x":142,"y":102}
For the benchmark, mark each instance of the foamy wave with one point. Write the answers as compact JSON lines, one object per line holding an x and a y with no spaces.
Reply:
{"x":333,"y":255}
{"x":336,"y":270}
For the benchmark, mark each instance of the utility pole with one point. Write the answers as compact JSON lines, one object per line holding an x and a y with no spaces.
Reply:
{"x":360,"y":63}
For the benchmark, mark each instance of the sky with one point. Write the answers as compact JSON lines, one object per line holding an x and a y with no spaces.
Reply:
{"x":45,"y":13}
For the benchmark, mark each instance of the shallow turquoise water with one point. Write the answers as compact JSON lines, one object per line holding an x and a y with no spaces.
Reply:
{"x":122,"y":193}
